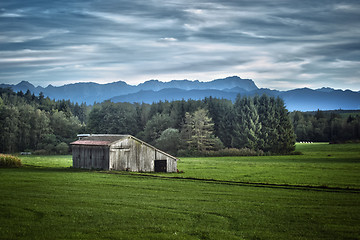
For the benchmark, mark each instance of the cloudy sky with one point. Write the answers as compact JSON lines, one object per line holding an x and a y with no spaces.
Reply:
{"x":280,"y":44}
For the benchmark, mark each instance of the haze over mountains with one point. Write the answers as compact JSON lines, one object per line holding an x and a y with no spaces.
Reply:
{"x":304,"y":99}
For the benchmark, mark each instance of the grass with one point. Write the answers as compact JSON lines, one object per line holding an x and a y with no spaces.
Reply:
{"x":321,"y":164}
{"x":46,"y":199}
{"x":56,"y":161}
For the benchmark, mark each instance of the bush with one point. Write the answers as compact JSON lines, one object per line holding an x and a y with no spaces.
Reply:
{"x":169,"y":141}
{"x":62,"y":148}
{"x":41,"y":152}
{"x":188,"y":153}
{"x":296,"y":153}
{"x":9,"y":161}
{"x":221,"y":153}
{"x":234,"y":152}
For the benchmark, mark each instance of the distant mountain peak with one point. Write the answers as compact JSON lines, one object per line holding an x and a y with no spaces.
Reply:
{"x":325,"y":89}
{"x":219,"y":84}
{"x":303,"y":99}
{"x":236,"y":81}
{"x":25,"y":84}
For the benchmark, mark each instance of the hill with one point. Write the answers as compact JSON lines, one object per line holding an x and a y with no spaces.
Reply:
{"x":299,"y":99}
{"x":94,"y":92}
{"x":303,"y":99}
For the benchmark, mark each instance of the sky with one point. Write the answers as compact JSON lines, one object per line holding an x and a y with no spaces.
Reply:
{"x":280,"y":44}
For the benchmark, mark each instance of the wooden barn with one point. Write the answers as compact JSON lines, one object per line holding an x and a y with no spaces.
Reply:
{"x":120,"y":152}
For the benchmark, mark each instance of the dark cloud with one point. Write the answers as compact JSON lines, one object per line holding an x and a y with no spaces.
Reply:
{"x":280,"y":44}
{"x":349,"y":51}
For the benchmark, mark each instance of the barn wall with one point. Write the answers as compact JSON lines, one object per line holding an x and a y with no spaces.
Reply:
{"x":90,"y":157}
{"x":131,"y":155}
{"x":75,"y":156}
{"x":120,"y":155}
{"x":171,"y":163}
{"x":146,"y":157}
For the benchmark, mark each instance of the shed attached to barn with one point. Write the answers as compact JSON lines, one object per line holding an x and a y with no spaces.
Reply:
{"x":120,"y":152}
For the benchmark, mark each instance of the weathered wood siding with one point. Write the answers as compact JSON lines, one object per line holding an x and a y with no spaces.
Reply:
{"x":132,"y":155}
{"x":171,"y":163}
{"x":126,"y":154}
{"x":90,"y":157}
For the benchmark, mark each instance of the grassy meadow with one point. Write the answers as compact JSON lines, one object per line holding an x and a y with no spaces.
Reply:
{"x":322,"y":164}
{"x":311,"y":196}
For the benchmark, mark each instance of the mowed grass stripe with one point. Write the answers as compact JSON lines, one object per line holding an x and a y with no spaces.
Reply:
{"x":321,"y":165}
{"x":250,"y":184}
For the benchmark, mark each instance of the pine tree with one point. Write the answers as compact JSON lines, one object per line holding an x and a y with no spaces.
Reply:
{"x":286,"y":140}
{"x":198,"y":131}
{"x":246,"y":124}
{"x":266,"y":109}
{"x":220,"y":110}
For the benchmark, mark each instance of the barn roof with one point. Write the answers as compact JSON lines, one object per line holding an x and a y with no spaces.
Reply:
{"x":91,"y":142}
{"x":108,"y":139}
{"x":98,"y":139}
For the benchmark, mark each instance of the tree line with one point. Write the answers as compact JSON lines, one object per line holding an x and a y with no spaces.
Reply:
{"x":35,"y":123}
{"x":258,"y":123}
{"x":255,"y":125}
{"x":326,"y":126}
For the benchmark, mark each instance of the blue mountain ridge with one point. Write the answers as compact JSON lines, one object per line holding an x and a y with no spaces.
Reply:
{"x":303,"y":99}
{"x":297,"y":99}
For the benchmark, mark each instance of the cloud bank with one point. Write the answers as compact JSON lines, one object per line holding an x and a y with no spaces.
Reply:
{"x":280,"y":44}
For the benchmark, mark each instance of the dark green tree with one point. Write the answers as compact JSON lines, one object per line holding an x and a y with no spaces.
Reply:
{"x":286,"y":135}
{"x":246,"y":124}
{"x":155,"y":126}
{"x":9,"y":128}
{"x":169,"y":141}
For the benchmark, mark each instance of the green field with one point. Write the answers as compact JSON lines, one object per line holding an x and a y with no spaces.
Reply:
{"x":321,"y":164}
{"x":311,"y":196}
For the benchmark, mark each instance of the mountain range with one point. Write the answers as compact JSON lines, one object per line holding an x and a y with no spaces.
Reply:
{"x":303,"y":99}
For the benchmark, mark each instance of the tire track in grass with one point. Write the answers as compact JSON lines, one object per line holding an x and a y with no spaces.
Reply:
{"x":248,"y":184}
{"x":215,"y":181}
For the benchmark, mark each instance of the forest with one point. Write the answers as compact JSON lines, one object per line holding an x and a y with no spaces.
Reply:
{"x":248,"y":126}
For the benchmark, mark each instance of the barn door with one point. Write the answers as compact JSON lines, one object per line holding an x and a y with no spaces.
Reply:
{"x":160,"y":165}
